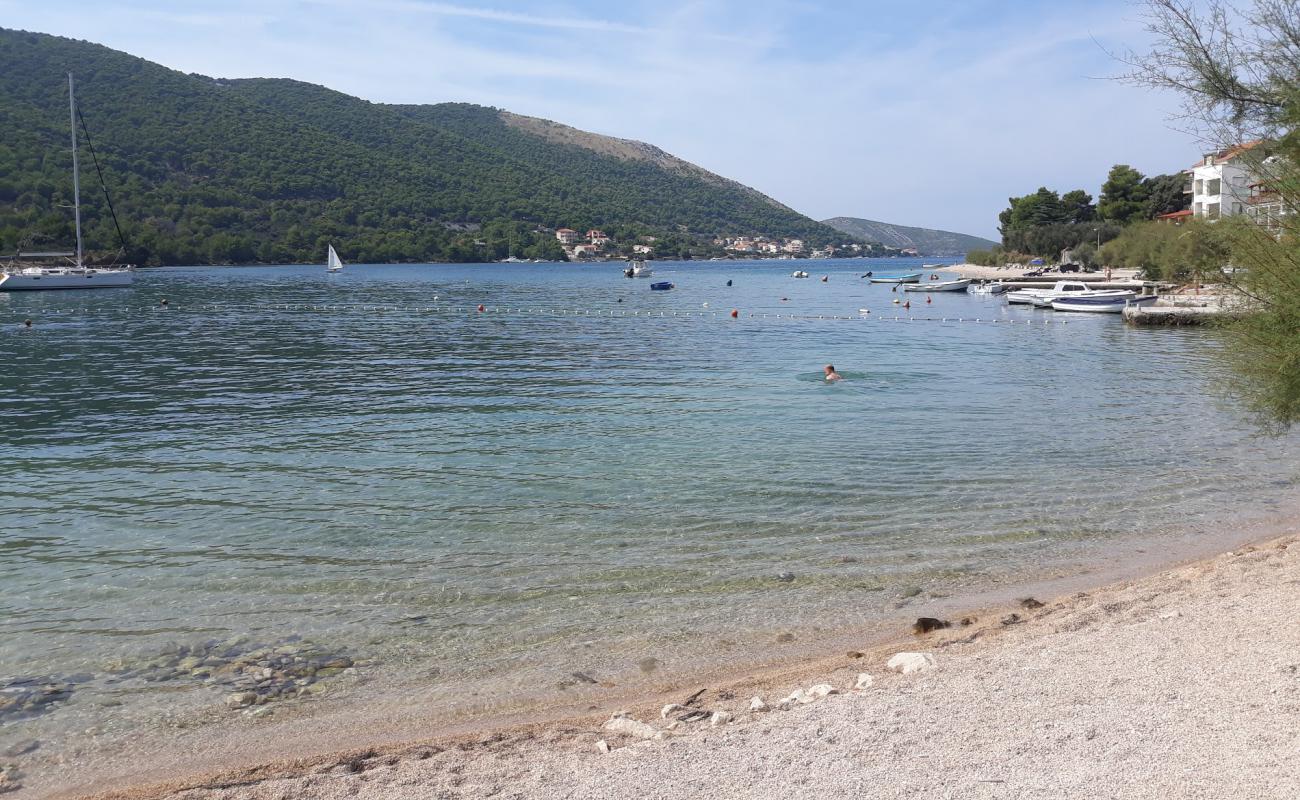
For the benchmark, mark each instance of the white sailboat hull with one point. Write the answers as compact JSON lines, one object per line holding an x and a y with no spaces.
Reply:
{"x":38,"y":279}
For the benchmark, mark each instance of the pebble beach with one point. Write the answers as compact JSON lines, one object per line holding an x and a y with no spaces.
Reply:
{"x":1184,"y":683}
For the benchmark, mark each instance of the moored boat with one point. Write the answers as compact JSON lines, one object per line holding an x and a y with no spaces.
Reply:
{"x":939,"y":286}
{"x":661,"y":286}
{"x":911,"y":277}
{"x":1102,"y":303}
{"x":989,"y":287}
{"x":638,"y":269}
{"x":1032,"y":296}
{"x":798,"y":274}
{"x":18,"y":276}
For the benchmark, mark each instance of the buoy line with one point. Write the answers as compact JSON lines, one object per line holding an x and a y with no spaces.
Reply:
{"x":481,"y":309}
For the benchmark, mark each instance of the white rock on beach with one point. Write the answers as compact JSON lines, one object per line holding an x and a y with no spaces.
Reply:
{"x":634,"y":728}
{"x":719,"y":718}
{"x":602,"y":746}
{"x":819,"y":691}
{"x":864,"y":681}
{"x":809,"y":695}
{"x":757,"y":705}
{"x":671,"y":708}
{"x":907,"y":663}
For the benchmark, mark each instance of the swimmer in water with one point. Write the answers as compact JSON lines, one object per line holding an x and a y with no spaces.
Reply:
{"x":832,"y":375}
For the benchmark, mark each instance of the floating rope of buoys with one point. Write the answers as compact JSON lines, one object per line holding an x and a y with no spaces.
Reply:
{"x":173,"y":310}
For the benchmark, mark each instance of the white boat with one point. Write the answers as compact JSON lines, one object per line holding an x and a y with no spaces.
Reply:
{"x":332,"y":261}
{"x":638,"y":269}
{"x":1102,"y":302}
{"x":28,"y":277}
{"x":958,"y":285}
{"x":911,"y":277}
{"x":1032,"y":296}
{"x":798,"y":274}
{"x":1115,"y":294}
{"x":989,"y":287}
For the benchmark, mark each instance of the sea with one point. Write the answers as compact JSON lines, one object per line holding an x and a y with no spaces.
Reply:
{"x":488,"y":488}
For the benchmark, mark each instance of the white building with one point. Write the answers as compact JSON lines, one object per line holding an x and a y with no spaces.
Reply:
{"x":1221,"y":183}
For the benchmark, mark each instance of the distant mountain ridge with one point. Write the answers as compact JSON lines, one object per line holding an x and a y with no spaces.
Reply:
{"x":207,"y":170}
{"x":926,"y":241}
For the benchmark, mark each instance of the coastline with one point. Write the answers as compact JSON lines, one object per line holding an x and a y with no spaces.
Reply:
{"x":561,"y":746}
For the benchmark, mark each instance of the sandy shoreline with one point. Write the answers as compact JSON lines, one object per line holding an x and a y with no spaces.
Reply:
{"x":1184,"y":683}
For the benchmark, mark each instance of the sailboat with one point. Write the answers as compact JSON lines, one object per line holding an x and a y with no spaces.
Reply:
{"x":332,"y":262}
{"x":16,"y":277}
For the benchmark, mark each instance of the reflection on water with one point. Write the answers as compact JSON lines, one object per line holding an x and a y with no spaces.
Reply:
{"x":452,"y":493}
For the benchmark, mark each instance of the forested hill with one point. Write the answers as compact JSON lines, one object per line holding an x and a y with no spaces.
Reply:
{"x":205,"y":170}
{"x":927,"y":242}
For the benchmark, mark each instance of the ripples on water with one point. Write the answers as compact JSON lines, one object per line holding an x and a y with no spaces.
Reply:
{"x":480,"y":492}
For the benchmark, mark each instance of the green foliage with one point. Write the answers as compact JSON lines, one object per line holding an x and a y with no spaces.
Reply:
{"x":1123,"y":195}
{"x":1165,"y":195}
{"x":1078,"y":206}
{"x":212,"y":171}
{"x":1189,"y":253}
{"x":1265,"y":344}
{"x":1045,"y":223}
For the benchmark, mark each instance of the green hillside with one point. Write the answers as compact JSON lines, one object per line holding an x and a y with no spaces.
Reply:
{"x":927,"y":242}
{"x":204,"y":170}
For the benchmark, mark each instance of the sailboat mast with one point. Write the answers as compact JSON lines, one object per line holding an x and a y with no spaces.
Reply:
{"x":76,"y":172}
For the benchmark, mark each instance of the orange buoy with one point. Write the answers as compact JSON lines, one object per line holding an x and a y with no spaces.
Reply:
{"x":908,"y":304}
{"x":734,"y":313}
{"x":927,"y":299}
{"x":481,"y":308}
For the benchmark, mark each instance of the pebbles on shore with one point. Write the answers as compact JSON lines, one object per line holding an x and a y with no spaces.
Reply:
{"x":24,"y":698}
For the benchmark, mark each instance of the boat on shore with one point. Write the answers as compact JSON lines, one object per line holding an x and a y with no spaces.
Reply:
{"x":1107,"y":303}
{"x":911,"y":277}
{"x":21,"y":275}
{"x":958,"y":285}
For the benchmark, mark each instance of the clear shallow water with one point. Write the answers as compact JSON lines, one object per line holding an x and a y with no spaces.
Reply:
{"x":453,"y":495}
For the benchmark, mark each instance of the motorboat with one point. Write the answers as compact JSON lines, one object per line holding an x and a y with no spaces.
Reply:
{"x":798,"y":274}
{"x":1119,"y":294}
{"x":939,"y":286}
{"x":638,"y":269}
{"x":988,"y":287}
{"x":1031,"y":296}
{"x":911,"y":277}
{"x":661,"y":286}
{"x":1102,"y":302}
{"x":18,"y":276}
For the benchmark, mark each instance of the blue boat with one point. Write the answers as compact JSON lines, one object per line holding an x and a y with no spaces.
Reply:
{"x":661,"y":286}
{"x":911,"y":277}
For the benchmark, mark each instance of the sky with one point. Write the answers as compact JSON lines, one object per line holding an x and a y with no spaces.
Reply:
{"x":928,"y":113}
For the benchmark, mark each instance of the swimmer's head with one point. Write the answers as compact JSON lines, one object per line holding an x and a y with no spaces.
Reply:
{"x":830,"y":368}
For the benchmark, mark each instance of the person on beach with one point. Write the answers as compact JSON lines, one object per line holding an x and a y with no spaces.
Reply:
{"x":832,"y":375}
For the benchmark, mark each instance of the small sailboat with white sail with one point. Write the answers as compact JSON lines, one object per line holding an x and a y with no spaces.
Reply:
{"x":332,"y":261}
